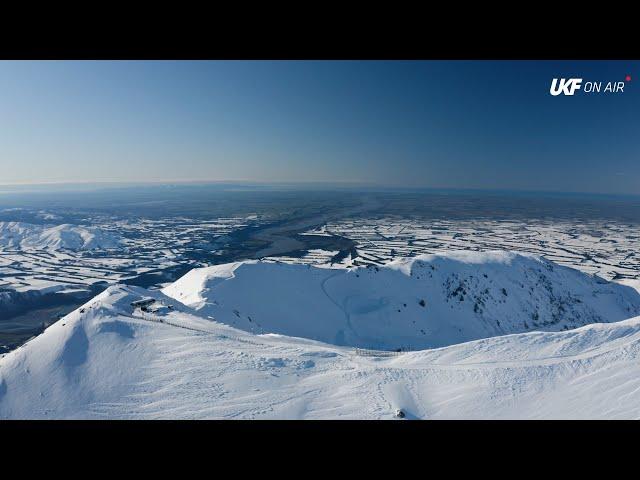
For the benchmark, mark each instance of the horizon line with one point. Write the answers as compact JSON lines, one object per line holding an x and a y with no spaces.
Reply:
{"x":336,"y":183}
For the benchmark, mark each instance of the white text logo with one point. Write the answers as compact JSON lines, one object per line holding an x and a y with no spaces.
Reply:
{"x":565,"y":86}
{"x":569,"y":86}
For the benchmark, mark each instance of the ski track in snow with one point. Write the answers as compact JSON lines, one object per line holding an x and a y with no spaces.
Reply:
{"x":347,"y":315}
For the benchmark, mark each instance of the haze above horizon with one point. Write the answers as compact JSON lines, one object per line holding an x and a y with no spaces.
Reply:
{"x":483,"y":125}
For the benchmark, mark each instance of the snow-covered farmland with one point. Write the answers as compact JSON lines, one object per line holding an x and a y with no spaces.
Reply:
{"x":607,"y":248}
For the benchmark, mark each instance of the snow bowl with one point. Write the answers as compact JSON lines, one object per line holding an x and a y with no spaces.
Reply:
{"x":409,"y":304}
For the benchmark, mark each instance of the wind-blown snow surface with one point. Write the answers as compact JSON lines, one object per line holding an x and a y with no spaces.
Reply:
{"x":106,"y":362}
{"x":26,"y":236}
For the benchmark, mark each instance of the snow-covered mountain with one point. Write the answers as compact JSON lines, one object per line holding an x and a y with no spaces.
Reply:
{"x":26,"y":236}
{"x":423,"y":302}
{"x":107,"y":360}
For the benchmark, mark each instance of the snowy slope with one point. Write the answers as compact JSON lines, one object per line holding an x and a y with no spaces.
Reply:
{"x":106,"y":363}
{"x":25,"y":236}
{"x":423,"y":302}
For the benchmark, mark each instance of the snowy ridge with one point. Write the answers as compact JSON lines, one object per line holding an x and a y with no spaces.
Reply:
{"x":107,"y":364}
{"x":107,"y":360}
{"x":26,"y":236}
{"x":423,"y":302}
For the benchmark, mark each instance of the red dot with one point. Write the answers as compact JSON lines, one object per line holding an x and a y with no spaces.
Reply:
{"x":627,"y":78}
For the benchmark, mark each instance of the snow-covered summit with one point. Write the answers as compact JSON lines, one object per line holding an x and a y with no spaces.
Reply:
{"x":416,"y":303}
{"x":107,"y":361}
{"x":26,"y":236}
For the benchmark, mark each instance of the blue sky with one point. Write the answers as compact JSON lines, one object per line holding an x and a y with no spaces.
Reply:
{"x":472,"y":124}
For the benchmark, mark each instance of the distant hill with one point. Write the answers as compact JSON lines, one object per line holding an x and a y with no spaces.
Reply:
{"x":26,"y":236}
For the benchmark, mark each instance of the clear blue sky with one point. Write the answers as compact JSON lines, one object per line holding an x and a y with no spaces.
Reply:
{"x":420,"y":124}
